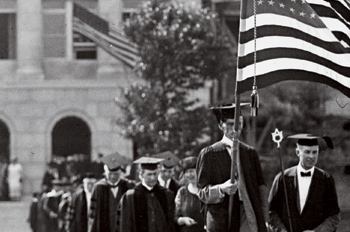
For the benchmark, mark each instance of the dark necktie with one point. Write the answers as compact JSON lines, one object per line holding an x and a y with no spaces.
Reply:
{"x":305,"y":174}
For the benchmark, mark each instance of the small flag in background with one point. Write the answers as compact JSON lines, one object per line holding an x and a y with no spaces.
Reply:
{"x":105,"y":35}
{"x":295,"y":40}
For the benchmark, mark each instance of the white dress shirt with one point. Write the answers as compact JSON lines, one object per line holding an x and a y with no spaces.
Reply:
{"x":163,"y":183}
{"x":303,"y":184}
{"x":114,"y":189}
{"x":146,"y":186}
{"x":229,"y":143}
{"x":88,"y":199}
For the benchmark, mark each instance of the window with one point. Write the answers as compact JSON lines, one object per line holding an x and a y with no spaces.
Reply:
{"x":83,"y":47}
{"x":7,"y":36}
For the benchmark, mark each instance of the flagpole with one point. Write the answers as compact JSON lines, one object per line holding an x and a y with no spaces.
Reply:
{"x":235,"y":147}
{"x":235,"y":154}
{"x":277,"y":137}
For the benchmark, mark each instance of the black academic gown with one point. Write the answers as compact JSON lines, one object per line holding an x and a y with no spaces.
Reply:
{"x":213,"y":168}
{"x":33,"y":214}
{"x":100,"y":205}
{"x":174,"y":186}
{"x":50,"y":207}
{"x":79,"y":212}
{"x":134,"y":211}
{"x":321,"y":211}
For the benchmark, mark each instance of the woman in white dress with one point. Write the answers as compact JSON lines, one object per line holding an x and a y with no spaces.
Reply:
{"x":15,"y":175}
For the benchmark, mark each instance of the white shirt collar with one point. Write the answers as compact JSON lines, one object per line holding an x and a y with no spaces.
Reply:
{"x":227,"y":141}
{"x":146,"y":186}
{"x":301,"y":169}
{"x":111,"y":184}
{"x":163,"y":182}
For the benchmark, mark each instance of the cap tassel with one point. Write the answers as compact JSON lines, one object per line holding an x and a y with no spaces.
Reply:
{"x":254,"y":102}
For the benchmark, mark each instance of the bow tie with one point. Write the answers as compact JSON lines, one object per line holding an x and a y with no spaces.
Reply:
{"x":305,"y":174}
{"x":113,"y":186}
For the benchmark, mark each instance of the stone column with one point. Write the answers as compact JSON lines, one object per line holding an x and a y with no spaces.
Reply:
{"x":109,"y":66}
{"x":29,"y":40}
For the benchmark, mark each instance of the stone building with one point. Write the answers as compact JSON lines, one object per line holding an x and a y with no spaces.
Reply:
{"x":57,"y":88}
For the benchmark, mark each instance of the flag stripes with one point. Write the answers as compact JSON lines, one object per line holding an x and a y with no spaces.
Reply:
{"x":337,"y":21}
{"x":294,"y":43}
{"x":105,"y":36}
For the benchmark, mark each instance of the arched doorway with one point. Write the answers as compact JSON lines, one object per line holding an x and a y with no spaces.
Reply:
{"x":4,"y":143}
{"x":4,"y":160}
{"x":71,"y":136}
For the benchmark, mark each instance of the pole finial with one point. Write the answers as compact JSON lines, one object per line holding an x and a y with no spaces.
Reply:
{"x":277,"y":137}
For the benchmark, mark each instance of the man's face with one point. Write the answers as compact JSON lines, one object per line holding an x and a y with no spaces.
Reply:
{"x":308,"y":155}
{"x":89,"y":184}
{"x":113,"y":177}
{"x":150,"y":177}
{"x":165,"y":173}
{"x":228,"y":127}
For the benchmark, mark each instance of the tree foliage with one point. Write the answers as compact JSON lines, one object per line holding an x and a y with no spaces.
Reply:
{"x":180,"y":50}
{"x":180,"y":46}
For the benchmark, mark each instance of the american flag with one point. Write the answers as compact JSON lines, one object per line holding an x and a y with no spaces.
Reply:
{"x":105,"y":35}
{"x":294,"y":40}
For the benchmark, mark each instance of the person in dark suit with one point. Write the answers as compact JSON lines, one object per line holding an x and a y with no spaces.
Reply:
{"x":79,"y":208}
{"x":165,"y":178}
{"x":107,"y":193}
{"x":148,"y":207}
{"x":250,"y":208}
{"x":311,"y":193}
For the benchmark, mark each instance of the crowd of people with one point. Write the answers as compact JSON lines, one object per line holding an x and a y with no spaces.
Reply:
{"x":101,"y":197}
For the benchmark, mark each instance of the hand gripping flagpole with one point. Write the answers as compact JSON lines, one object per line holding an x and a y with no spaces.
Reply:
{"x":235,"y":154}
{"x":277,"y":137}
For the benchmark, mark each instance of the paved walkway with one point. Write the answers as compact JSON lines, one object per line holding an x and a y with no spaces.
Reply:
{"x":13,"y":217}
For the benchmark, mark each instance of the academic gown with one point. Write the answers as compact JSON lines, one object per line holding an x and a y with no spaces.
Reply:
{"x":79,"y":212}
{"x":321,"y":211}
{"x":134,"y":209}
{"x":50,"y":207}
{"x":174,"y":186}
{"x":213,"y":168}
{"x":100,"y":205}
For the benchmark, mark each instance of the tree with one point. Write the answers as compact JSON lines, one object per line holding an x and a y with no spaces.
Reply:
{"x":180,"y":50}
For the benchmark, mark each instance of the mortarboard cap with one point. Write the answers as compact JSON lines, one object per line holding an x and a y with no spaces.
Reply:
{"x":149,"y":163}
{"x":89,"y":175}
{"x":311,"y":140}
{"x":226,"y":111}
{"x":170,"y":160}
{"x":59,"y":182}
{"x":115,"y":161}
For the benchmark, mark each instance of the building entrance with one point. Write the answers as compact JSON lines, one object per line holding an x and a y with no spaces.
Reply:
{"x":71,"y":136}
{"x":4,"y":143}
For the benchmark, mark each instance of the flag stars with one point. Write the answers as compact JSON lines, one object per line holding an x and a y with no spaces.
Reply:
{"x":282,"y":5}
{"x":271,"y":2}
{"x":293,"y":1}
{"x":302,"y":14}
{"x":303,"y":1}
{"x":313,"y":15}
{"x":292,"y":10}
{"x":260,"y":2}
